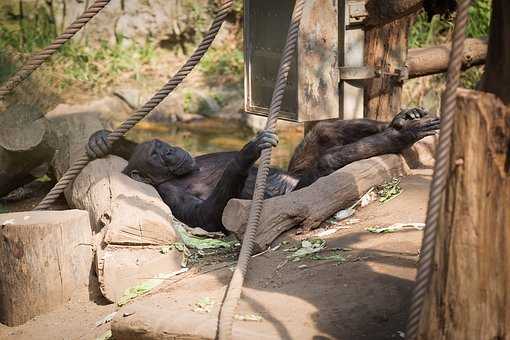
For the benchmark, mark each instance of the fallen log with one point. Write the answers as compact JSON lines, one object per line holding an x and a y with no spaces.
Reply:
{"x":44,"y":258}
{"x":310,"y":206}
{"x":432,"y":60}
{"x":469,"y":295}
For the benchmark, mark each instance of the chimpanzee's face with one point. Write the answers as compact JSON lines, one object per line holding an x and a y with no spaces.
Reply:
{"x":156,"y":161}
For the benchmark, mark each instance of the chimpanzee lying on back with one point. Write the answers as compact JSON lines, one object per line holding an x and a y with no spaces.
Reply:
{"x":198,"y":189}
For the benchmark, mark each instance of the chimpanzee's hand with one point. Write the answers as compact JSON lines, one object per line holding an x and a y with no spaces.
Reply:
{"x":251,"y":151}
{"x":406,"y":115}
{"x":97,"y":147}
{"x":266,"y":139}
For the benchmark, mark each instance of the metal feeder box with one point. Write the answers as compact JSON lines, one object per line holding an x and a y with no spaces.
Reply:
{"x":324,"y":81}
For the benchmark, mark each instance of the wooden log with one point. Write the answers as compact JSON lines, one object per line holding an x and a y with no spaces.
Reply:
{"x":386,"y":50}
{"x":44,"y":258}
{"x":23,"y":145}
{"x":310,"y":206}
{"x":469,"y":296}
{"x":431,"y":60}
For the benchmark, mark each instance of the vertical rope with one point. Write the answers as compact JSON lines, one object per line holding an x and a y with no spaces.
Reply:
{"x":116,"y":134}
{"x":39,"y":58}
{"x":441,"y":170}
{"x":236,"y":284}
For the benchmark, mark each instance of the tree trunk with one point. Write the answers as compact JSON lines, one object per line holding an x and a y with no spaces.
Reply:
{"x":386,"y":50}
{"x":496,"y":78}
{"x":312,"y":205}
{"x":469,"y":296}
{"x":44,"y":258}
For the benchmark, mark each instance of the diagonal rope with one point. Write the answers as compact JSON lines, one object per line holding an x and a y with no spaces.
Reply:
{"x":39,"y":58}
{"x":441,"y":171}
{"x":236,"y":284}
{"x":116,"y":134}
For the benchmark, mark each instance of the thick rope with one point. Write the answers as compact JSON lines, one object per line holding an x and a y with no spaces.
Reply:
{"x":116,"y":134}
{"x":39,"y":58}
{"x":236,"y":284}
{"x":441,"y":171}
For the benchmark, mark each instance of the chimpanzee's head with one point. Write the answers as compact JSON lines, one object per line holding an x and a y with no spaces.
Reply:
{"x":155,"y":162}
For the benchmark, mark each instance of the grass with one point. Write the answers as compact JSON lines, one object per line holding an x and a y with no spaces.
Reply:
{"x":90,"y":67}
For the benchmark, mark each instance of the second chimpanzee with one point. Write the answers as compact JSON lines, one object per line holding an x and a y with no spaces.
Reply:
{"x":198,"y":189}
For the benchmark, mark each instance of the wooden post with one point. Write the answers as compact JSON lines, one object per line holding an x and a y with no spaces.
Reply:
{"x":386,"y":50}
{"x":45,"y":256}
{"x":469,"y":296}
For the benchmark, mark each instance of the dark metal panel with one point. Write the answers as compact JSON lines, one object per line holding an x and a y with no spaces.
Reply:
{"x":265,"y":31}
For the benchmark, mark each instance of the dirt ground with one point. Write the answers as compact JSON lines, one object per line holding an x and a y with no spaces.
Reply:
{"x":364,"y":297}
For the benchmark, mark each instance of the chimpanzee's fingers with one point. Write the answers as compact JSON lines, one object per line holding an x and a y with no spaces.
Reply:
{"x":103,"y":146}
{"x":269,"y":137}
{"x":421,"y":111}
{"x":423,"y":134}
{"x":265,"y":146}
{"x":431,"y":125}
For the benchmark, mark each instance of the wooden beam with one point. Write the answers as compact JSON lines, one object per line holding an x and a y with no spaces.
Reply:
{"x":431,"y":60}
{"x":381,"y":12}
{"x":469,"y":296}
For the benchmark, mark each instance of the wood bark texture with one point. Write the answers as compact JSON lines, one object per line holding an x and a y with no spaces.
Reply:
{"x":44,"y":258}
{"x":469,"y":296}
{"x":386,"y":50}
{"x":310,"y":206}
{"x":431,"y":60}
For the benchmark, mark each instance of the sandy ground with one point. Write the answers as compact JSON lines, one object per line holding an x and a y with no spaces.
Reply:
{"x":365,"y":297}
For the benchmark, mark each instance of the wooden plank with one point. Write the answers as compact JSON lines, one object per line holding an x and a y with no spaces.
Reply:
{"x":469,"y":296}
{"x":318,"y":61}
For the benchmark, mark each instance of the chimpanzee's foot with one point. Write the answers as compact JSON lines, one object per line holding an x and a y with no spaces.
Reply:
{"x":414,"y":130}
{"x":407,"y":115}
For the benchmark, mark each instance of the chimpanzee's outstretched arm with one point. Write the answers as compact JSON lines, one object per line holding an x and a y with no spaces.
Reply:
{"x":97,"y":146}
{"x":207,"y":213}
{"x":386,"y":142}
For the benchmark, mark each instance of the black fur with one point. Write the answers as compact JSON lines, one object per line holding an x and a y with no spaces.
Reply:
{"x":198,"y":189}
